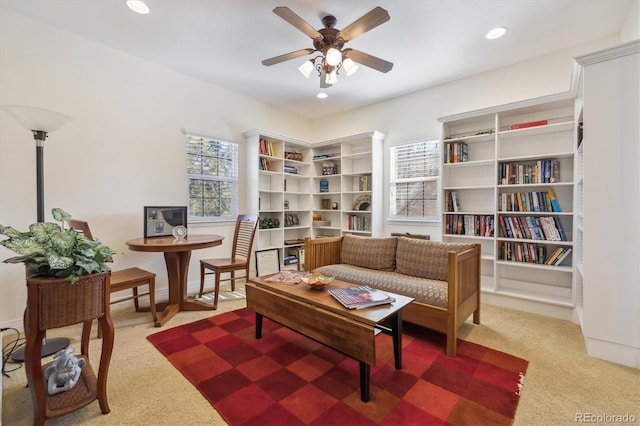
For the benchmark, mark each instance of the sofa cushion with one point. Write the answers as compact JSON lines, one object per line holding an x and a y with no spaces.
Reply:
{"x":431,"y":292}
{"x":424,"y":258}
{"x":366,"y":252}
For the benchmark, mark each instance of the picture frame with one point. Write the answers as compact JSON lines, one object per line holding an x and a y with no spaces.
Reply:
{"x":160,"y":221}
{"x":267,"y":262}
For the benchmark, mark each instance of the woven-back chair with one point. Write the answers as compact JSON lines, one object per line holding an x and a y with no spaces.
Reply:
{"x":129,"y":278}
{"x":246,"y":225}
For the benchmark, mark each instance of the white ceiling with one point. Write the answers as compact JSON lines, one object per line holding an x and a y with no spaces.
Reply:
{"x":429,"y":41}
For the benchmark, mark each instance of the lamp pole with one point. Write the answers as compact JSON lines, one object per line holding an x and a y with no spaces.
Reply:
{"x":40,"y":122}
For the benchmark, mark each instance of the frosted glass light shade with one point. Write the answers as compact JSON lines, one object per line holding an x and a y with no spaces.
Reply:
{"x":349,"y":66}
{"x":333,"y":57}
{"x":331,"y":78}
{"x":306,"y":68}
{"x":40,"y":119}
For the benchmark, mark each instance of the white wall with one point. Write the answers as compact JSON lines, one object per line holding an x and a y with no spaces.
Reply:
{"x":122,"y":151}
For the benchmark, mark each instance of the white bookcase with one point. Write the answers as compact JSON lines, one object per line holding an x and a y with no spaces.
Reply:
{"x":286,"y":188}
{"x":608,"y":229}
{"x":502,"y":164}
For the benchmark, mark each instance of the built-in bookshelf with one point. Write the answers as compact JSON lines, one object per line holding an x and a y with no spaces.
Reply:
{"x":508,"y":184}
{"x":311,"y":190}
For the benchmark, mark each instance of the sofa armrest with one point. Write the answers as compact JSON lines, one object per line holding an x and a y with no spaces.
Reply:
{"x":464,"y":276}
{"x":321,"y":251}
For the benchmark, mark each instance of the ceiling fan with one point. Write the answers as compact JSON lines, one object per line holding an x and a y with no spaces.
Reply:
{"x":330,"y":42}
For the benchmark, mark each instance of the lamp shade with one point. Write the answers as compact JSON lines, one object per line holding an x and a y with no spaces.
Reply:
{"x":306,"y":68}
{"x":333,"y":56}
{"x":40,"y":119}
{"x":349,"y":66}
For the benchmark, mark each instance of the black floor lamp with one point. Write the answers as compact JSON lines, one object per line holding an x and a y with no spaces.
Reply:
{"x":40,"y":122}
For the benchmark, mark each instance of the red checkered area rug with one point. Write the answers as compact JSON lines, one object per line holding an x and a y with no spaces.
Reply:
{"x":287,"y":379}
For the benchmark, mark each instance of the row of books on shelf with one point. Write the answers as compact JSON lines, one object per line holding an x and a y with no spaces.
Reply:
{"x":358,"y":223}
{"x":290,"y":169}
{"x":532,"y":253}
{"x":265,"y":165}
{"x":541,"y":171}
{"x":540,"y":201}
{"x":364,"y":183}
{"x":452,"y":201}
{"x":266,"y":148}
{"x":456,"y":152}
{"x":470,"y":224}
{"x":532,"y":228}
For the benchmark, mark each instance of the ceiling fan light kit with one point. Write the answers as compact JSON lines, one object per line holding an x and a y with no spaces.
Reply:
{"x":330,"y":42}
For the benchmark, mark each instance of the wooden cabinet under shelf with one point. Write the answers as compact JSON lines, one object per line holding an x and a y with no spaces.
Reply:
{"x":501,"y":166}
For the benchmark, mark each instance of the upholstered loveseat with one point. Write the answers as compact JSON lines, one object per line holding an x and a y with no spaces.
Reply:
{"x":443,"y":278}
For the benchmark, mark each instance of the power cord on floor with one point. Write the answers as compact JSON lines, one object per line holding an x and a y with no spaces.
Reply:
{"x":9,"y":349}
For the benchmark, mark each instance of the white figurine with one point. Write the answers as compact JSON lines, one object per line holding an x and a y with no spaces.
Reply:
{"x":64,"y":372}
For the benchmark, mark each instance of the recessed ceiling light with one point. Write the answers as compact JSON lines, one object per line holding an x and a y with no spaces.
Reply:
{"x":322,"y":95}
{"x":138,"y":6}
{"x":496,"y":33}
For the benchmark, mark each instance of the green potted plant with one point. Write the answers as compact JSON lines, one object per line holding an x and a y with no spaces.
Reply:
{"x":51,"y":250}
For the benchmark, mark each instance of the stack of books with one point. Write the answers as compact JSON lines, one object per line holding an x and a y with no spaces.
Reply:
{"x":360,"y":297}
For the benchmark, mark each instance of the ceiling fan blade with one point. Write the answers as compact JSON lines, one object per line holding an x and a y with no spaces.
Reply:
{"x":366,"y":22}
{"x":290,"y":16}
{"x":287,"y":56}
{"x":368,"y":60}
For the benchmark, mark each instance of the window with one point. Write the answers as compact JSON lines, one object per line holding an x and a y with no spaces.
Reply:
{"x":212,"y":171}
{"x":414,"y":181}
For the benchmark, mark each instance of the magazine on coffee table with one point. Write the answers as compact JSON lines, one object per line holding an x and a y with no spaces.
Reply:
{"x":360,"y":297}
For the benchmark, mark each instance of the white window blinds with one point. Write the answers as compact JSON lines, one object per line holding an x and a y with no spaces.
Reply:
{"x":212,"y":170}
{"x":414,"y":180}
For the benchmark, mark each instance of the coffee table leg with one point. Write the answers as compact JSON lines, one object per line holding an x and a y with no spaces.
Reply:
{"x":396,"y":323}
{"x":258,"y":325}
{"x":365,"y":372}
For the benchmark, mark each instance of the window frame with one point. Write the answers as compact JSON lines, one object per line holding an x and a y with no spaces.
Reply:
{"x":234,"y":148}
{"x":436,"y":217}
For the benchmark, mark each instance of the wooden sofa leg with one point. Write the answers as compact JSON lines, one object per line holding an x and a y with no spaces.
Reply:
{"x":476,"y":316}
{"x":452,"y":340}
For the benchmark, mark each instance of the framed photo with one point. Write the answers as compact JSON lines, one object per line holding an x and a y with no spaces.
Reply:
{"x":267,"y":262}
{"x":159,"y":221}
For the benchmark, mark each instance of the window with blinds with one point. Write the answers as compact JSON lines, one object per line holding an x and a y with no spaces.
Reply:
{"x":414,"y":180}
{"x":212,"y":170}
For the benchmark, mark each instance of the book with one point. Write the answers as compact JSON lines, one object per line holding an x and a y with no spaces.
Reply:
{"x":528,"y":124}
{"x":360,"y":297}
{"x":324,"y":186}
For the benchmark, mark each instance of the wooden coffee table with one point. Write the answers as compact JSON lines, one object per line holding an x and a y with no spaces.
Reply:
{"x":316,"y":314}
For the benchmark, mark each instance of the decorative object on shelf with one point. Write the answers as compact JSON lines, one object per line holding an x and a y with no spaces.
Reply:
{"x":268,"y":222}
{"x":161,"y":221}
{"x":293,"y":155}
{"x":63,"y":373}
{"x":329,"y":169}
{"x":324,"y":186}
{"x":362,"y":203}
{"x":286,"y":204}
{"x":325,"y":203}
{"x":291,"y":219}
{"x":329,"y":43}
{"x":179,"y":232}
{"x":334,"y":206}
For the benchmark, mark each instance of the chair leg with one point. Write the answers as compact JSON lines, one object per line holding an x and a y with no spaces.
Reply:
{"x":201,"y":279}
{"x":152,"y":299}
{"x":233,"y":280}
{"x":217,"y":290}
{"x":135,"y":299}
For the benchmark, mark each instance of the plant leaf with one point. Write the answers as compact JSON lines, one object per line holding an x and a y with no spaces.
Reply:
{"x":60,"y":215}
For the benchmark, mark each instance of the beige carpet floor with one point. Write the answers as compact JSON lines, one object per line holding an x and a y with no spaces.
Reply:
{"x":562,"y":382}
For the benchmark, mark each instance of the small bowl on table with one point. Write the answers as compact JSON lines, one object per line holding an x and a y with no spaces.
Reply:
{"x":316,"y":281}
